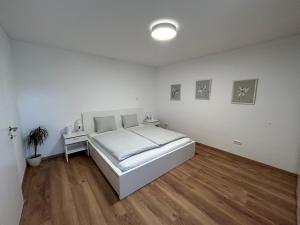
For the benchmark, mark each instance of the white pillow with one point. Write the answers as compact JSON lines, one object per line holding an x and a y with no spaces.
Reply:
{"x":106,"y":123}
{"x":129,"y":120}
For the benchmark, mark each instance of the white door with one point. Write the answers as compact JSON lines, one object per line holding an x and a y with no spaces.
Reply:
{"x":11,"y":200}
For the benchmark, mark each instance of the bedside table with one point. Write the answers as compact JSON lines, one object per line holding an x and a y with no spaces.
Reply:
{"x":75,"y":142}
{"x":152,"y":122}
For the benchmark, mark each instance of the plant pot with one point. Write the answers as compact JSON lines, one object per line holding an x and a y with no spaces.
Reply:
{"x":34,"y":161}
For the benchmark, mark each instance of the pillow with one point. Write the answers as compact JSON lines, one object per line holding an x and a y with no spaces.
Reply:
{"x":129,"y":120}
{"x":106,"y":123}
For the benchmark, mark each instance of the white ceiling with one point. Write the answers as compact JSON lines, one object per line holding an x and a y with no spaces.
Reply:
{"x":120,"y":28}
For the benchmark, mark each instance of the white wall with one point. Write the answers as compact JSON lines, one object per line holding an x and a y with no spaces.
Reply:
{"x":55,"y":86}
{"x":269,"y":130}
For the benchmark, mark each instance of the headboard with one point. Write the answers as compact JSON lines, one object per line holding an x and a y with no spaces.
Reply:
{"x":88,"y":117}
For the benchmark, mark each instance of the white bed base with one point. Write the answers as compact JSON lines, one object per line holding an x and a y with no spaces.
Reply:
{"x":127,"y":182}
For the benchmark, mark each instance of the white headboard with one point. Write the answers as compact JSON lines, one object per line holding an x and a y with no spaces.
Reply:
{"x":88,"y":117}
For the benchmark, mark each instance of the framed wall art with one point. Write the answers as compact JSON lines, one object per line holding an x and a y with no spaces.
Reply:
{"x":203,"y":89}
{"x":244,"y":91}
{"x":175,"y":92}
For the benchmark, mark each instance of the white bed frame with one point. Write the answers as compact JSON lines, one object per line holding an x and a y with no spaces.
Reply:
{"x":125,"y":183}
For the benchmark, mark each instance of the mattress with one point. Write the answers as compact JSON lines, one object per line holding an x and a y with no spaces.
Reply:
{"x":143,"y":157}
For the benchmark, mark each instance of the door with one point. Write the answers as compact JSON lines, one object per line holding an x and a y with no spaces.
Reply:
{"x":11,"y":200}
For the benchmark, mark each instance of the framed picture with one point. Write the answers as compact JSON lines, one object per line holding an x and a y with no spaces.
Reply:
{"x":244,"y":91}
{"x":175,"y":92}
{"x":203,"y":89}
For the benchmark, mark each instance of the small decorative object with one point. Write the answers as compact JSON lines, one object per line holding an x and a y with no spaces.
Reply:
{"x":78,"y":125}
{"x":244,"y":91}
{"x":148,"y":117}
{"x":175,"y":92}
{"x":203,"y":89}
{"x":36,"y":138}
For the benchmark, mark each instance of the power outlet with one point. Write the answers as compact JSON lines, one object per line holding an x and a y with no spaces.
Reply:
{"x":237,"y":142}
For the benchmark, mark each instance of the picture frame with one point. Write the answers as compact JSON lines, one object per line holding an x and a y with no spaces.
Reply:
{"x":175,"y":92}
{"x":203,"y":89}
{"x":244,"y":91}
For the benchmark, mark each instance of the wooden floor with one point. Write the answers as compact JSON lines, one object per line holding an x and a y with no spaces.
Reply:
{"x":212,"y":188}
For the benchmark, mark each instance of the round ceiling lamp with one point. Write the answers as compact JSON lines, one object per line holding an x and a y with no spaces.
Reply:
{"x":163,"y":30}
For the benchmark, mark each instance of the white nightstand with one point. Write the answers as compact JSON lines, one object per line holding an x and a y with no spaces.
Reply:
{"x":152,"y":122}
{"x":75,"y":142}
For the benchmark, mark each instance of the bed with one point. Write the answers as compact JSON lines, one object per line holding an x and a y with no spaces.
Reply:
{"x":130,"y":172}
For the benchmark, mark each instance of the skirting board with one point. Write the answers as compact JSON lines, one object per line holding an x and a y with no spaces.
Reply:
{"x":129,"y":181}
{"x":52,"y":156}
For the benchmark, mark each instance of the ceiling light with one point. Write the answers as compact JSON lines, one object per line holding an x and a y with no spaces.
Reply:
{"x":163,"y":30}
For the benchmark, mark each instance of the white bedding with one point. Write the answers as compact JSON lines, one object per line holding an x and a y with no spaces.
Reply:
{"x":122,"y":143}
{"x":143,"y":157}
{"x":157,"y":135}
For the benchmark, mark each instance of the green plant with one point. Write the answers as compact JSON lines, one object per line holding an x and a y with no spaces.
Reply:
{"x":36,"y":137}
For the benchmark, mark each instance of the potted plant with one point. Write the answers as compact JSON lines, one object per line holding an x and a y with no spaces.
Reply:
{"x":35,"y":138}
